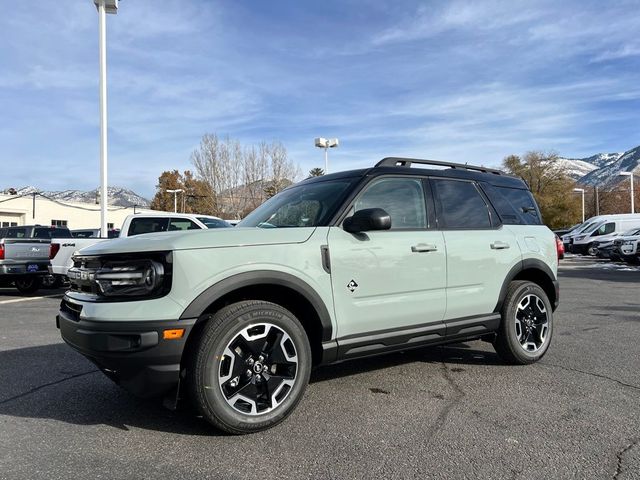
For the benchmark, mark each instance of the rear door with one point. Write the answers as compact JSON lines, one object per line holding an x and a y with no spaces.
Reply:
{"x":384,"y":280}
{"x":480,"y":250}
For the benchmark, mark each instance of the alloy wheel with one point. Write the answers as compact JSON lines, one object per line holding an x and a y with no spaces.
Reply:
{"x":258,"y":369}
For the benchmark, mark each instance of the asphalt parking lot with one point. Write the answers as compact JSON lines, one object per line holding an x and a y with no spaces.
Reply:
{"x":451,"y":412}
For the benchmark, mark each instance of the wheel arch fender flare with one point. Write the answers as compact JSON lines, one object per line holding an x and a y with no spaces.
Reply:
{"x":541,"y":272}
{"x":261,"y":277}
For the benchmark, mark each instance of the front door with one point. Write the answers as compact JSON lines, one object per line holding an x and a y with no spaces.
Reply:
{"x":391,"y":279}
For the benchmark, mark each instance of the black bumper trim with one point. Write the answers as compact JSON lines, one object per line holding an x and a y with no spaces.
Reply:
{"x":133,"y":354}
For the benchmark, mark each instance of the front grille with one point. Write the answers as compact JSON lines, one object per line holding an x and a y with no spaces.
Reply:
{"x":71,"y":310}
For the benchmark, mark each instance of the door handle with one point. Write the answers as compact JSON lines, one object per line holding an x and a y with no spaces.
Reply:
{"x":499,"y":245}
{"x":423,"y":247}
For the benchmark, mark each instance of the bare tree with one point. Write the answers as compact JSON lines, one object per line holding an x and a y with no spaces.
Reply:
{"x":241,"y":178}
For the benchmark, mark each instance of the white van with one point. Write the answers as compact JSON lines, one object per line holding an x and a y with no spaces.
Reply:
{"x":607,"y":228}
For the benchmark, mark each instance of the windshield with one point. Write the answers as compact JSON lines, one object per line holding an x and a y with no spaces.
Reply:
{"x":214,"y":222}
{"x":307,"y":205}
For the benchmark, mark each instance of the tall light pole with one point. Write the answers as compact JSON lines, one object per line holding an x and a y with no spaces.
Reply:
{"x":175,"y":198}
{"x":630,"y":175}
{"x":326,"y":143}
{"x":581,"y":190}
{"x":104,"y":7}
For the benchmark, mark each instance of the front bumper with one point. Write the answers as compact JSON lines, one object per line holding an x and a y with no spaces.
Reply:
{"x":132,"y":354}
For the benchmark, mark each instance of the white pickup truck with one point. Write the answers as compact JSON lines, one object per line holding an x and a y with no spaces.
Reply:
{"x":62,"y":249}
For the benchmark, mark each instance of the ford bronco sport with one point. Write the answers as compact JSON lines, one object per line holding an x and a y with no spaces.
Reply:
{"x":333,"y":268}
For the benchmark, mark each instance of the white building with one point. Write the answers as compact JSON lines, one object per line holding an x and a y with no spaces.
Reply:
{"x":18,"y":210}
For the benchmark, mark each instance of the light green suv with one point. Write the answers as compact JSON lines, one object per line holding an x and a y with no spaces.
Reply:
{"x":334,"y":268}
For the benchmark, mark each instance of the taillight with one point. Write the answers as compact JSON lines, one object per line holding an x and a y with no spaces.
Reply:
{"x":54,"y":248}
{"x":559,"y":248}
{"x":1,"y":251}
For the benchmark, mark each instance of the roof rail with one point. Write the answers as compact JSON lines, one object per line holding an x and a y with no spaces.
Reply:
{"x":406,"y":162}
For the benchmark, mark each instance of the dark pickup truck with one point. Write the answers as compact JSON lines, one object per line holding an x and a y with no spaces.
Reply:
{"x":24,"y":255}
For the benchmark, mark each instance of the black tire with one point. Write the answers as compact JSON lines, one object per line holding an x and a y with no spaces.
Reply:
{"x":28,"y":285}
{"x":507,"y":344}
{"x":208,"y":361}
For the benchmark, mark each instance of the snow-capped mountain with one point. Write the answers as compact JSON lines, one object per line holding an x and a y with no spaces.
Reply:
{"x":609,"y":173}
{"x":602,"y":169}
{"x":575,"y":167}
{"x":118,"y":196}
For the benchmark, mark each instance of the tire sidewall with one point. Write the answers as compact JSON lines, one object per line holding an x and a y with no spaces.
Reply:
{"x":211,"y":354}
{"x":509,"y":325}
{"x":30,"y":285}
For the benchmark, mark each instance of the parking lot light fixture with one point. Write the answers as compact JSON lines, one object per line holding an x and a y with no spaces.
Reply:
{"x":175,"y":198}
{"x":630,"y":175}
{"x":581,"y":190}
{"x":326,"y":143}
{"x":104,"y":7}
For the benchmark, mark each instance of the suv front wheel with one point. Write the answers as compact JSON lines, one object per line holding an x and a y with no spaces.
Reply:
{"x":527,"y":324}
{"x":251,"y":367}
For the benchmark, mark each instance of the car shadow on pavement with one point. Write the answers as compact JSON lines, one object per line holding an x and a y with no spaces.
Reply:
{"x":457,"y":353}
{"x":54,"y":382}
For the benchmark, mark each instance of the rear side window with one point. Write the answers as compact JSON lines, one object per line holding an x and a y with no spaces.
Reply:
{"x":461,"y":204}
{"x":514,"y":201}
{"x":139,"y":226}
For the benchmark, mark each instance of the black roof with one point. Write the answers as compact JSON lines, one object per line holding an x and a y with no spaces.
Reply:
{"x":392,"y":165}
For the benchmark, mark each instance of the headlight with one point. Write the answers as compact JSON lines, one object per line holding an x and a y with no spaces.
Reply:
{"x":122,"y":276}
{"x":577,"y":239}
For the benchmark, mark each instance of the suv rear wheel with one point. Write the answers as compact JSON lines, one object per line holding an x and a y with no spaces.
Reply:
{"x":251,"y":367}
{"x":527,"y":324}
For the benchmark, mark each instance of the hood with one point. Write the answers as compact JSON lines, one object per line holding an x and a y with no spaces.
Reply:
{"x":192,"y":239}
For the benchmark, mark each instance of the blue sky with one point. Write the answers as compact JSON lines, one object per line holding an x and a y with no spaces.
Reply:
{"x":460,"y":81}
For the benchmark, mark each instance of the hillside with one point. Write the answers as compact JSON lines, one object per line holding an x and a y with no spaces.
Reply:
{"x":118,"y":196}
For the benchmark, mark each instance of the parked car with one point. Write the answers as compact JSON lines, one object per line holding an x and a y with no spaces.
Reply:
{"x":604,"y":248}
{"x":334,"y":268}
{"x":24,"y":255}
{"x":607,"y":228}
{"x":626,"y":248}
{"x":138,"y":224}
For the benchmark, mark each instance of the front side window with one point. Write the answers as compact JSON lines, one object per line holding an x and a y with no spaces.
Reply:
{"x":604,"y":229}
{"x":182,"y":224}
{"x":401,"y":198}
{"x":307,"y":205}
{"x":462,"y":205}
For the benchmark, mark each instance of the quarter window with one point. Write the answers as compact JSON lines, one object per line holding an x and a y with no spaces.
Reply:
{"x":462,"y":205}
{"x":401,"y":198}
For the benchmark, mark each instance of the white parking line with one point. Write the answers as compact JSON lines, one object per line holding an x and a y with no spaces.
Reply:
{"x":27,"y":299}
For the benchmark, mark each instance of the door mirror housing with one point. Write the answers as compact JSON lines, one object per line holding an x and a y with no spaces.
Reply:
{"x":366,"y":220}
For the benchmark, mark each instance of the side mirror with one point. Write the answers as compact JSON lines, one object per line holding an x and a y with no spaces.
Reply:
{"x":366,"y":220}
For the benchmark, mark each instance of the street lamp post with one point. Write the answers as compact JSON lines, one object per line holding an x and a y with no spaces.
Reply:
{"x":630,"y":175}
{"x":581,"y":190}
{"x":175,"y":198}
{"x":104,"y":7}
{"x":326,"y":143}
